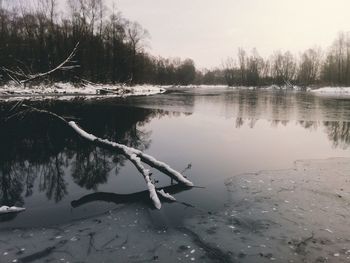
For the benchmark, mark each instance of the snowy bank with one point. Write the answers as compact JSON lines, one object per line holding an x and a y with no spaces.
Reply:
{"x":329,"y":91}
{"x":69,"y":90}
{"x":270,"y":87}
{"x":202,"y":86}
{"x":332,"y":91}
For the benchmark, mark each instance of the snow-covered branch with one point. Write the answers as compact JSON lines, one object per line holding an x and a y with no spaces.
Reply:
{"x":166,"y":195}
{"x":134,"y":155}
{"x":13,"y":209}
{"x":148,"y":159}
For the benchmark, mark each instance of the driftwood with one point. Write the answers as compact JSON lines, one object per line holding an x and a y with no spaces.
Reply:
{"x":134,"y":155}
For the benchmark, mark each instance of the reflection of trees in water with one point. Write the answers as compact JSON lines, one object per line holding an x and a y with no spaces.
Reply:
{"x":249,"y":104}
{"x":52,"y":177}
{"x":31,"y":148}
{"x":40,"y":149}
{"x":239,"y":122}
{"x":11,"y":185}
{"x":251,"y":122}
{"x":91,"y":167}
{"x":276,"y":123}
{"x":14,"y":180}
{"x":283,"y":105}
{"x":338,"y":132}
{"x":310,"y":125}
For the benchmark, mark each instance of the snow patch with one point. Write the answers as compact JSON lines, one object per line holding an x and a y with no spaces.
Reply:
{"x":335,"y":91}
{"x":197,"y":86}
{"x":271,"y":87}
{"x":13,"y":209}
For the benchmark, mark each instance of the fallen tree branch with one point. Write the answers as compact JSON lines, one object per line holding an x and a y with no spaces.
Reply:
{"x":15,"y":75}
{"x":148,"y":159}
{"x":134,"y":155}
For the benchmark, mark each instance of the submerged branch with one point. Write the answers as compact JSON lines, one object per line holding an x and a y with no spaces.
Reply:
{"x":138,"y":197}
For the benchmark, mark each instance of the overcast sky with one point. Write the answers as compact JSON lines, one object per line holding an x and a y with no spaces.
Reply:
{"x":210,"y":30}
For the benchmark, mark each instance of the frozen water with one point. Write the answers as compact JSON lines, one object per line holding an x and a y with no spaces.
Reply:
{"x":298,"y":231}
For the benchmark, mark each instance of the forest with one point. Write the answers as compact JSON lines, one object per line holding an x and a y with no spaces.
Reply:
{"x":112,"y":49}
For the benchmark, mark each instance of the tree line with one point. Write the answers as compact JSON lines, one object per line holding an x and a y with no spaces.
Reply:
{"x":35,"y":37}
{"x":311,"y":67}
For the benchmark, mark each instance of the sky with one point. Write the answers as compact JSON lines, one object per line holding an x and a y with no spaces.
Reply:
{"x":208,"y":31}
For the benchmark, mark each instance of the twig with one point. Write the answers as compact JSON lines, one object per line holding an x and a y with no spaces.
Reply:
{"x":91,"y":242}
{"x":110,"y":241}
{"x":300,"y":246}
{"x":189,"y":166}
{"x":304,"y":242}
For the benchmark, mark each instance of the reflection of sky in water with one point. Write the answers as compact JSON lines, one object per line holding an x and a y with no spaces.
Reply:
{"x":223,"y":133}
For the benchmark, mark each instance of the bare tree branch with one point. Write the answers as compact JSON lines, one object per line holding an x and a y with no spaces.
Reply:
{"x":25,"y":78}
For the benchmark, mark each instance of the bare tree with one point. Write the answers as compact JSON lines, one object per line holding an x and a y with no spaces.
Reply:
{"x":283,"y":67}
{"x":49,"y":9}
{"x":229,"y":68}
{"x":254,"y":67}
{"x":309,"y":66}
{"x":336,"y":67}
{"x":136,"y":37}
{"x":242,"y":64}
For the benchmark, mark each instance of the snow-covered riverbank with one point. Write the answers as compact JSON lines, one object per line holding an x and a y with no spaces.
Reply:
{"x":332,"y":91}
{"x":68,"y":90}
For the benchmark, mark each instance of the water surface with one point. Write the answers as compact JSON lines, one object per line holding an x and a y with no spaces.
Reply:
{"x":210,"y":134}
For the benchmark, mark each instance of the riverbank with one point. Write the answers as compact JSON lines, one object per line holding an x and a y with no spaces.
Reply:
{"x":61,"y":90}
{"x":68,"y":91}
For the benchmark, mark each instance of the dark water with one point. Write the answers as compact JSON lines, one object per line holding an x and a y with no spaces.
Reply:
{"x":210,"y":134}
